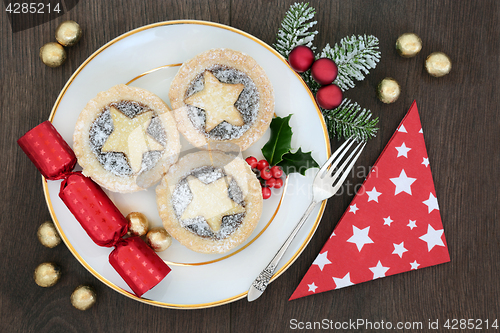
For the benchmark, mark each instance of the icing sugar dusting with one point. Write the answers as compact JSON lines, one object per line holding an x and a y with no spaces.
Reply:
{"x":155,"y":129}
{"x":182,"y":197}
{"x":247,"y":103}
{"x":116,"y":162}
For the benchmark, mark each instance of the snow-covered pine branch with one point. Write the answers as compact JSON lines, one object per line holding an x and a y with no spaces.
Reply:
{"x":348,"y":119}
{"x":354,"y":56}
{"x":295,"y":29}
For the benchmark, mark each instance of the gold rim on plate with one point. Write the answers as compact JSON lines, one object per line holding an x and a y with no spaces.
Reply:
{"x":70,"y":246}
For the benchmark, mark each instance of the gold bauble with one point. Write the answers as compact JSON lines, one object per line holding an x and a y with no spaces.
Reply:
{"x":388,"y":90}
{"x":137,"y":224}
{"x":48,"y":235}
{"x":158,"y":239}
{"x":68,"y":33}
{"x":83,"y":297}
{"x":438,"y":64}
{"x":47,"y":274}
{"x":408,"y":45}
{"x":52,"y":54}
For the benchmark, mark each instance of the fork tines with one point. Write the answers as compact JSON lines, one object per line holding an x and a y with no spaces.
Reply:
{"x":339,"y":174}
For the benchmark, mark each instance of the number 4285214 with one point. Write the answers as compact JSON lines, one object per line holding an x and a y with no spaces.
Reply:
{"x":32,"y":8}
{"x":478,"y":324}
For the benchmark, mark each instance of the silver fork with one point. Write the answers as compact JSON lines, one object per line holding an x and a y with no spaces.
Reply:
{"x":327,"y":182}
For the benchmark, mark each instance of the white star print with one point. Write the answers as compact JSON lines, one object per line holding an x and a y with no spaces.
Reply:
{"x":353,"y":209}
{"x":403,"y":183}
{"x":360,"y":237}
{"x":333,"y":234}
{"x":432,"y":237}
{"x":322,"y":260}
{"x":343,"y":282}
{"x":403,"y":150}
{"x":373,"y":195}
{"x":425,"y":162}
{"x":421,"y":131}
{"x":402,"y":129}
{"x":399,"y":249}
{"x":431,"y":203}
{"x":412,"y":224}
{"x":312,"y":287}
{"x":379,"y":270}
{"x":387,"y":221}
{"x":414,"y":265}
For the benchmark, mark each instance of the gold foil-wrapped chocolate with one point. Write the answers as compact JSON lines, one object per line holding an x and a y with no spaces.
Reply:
{"x":388,"y":90}
{"x":408,"y":45}
{"x":83,"y":297}
{"x":138,"y":224}
{"x":52,"y":54}
{"x":48,"y":235}
{"x":68,"y":33}
{"x":438,"y":64}
{"x":47,"y":274}
{"x":158,"y":239}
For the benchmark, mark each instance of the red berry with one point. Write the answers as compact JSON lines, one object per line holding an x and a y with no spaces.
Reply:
{"x":266,"y":174}
{"x":324,"y":71}
{"x":301,"y":58}
{"x":252,"y":161}
{"x":262,"y":164}
{"x":276,"y":171}
{"x":279,"y":183}
{"x":329,"y":97}
{"x":271,"y":182}
{"x":266,"y":192}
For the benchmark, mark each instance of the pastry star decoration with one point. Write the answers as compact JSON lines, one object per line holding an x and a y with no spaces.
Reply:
{"x":217,"y":99}
{"x":130,"y":137}
{"x":210,"y":201}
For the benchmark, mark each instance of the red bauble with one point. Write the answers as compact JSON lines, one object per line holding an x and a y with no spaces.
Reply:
{"x":329,"y":97}
{"x":324,"y":71}
{"x":301,"y":58}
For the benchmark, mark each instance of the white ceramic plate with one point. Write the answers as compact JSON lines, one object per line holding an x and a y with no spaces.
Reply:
{"x":197,"y":280}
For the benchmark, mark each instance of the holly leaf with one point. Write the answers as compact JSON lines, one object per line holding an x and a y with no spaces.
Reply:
{"x":280,"y":141}
{"x":297,"y":162}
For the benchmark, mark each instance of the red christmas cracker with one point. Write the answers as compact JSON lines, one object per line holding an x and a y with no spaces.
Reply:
{"x":48,"y":151}
{"x":97,"y":214}
{"x":137,"y":264}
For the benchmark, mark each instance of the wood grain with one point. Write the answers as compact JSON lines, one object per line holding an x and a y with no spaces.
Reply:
{"x":459,"y":114}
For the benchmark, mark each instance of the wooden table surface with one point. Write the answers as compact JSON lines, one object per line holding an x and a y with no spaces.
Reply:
{"x":459,"y":112}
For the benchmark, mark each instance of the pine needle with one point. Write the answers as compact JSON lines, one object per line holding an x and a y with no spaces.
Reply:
{"x":349,"y":120}
{"x":354,"y":57}
{"x":295,"y":29}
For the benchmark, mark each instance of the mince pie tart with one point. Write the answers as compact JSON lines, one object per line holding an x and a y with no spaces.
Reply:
{"x":222,"y":95}
{"x":125,"y":139}
{"x":210,"y":201}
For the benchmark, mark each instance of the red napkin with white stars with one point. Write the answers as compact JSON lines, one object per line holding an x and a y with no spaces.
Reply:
{"x":392,"y":225}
